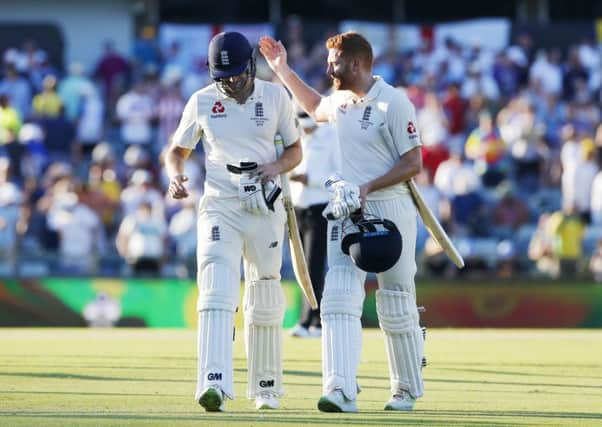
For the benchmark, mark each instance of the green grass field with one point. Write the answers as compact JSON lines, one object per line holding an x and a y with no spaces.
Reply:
{"x":146,"y":377}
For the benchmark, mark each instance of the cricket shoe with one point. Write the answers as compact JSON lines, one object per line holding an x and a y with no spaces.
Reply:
{"x":400,"y":401}
{"x":266,"y":400}
{"x":212,"y":400}
{"x":300,"y":331}
{"x":315,"y":331}
{"x":335,"y":401}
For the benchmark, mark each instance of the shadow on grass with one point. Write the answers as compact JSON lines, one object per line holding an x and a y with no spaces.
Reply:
{"x":530,"y":384}
{"x":284,"y":417}
{"x":62,"y":375}
{"x":520,"y":374}
{"x":89,"y":393}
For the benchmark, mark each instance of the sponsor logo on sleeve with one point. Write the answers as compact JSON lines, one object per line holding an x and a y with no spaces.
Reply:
{"x":411,"y":129}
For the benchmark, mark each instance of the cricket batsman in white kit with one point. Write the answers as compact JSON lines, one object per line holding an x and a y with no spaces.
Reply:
{"x":373,"y":179}
{"x":237,"y":118}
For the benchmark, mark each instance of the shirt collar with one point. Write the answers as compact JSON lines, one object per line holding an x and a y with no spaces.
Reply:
{"x":372,"y":93}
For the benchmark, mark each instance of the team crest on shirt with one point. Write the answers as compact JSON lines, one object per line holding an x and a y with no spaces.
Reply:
{"x":259,"y":118}
{"x":218,"y":110}
{"x":365,"y":122}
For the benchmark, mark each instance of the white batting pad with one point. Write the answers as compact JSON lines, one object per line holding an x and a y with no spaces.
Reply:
{"x":264,"y":306}
{"x":399,"y":320}
{"x":219,"y":293}
{"x":341,"y":310}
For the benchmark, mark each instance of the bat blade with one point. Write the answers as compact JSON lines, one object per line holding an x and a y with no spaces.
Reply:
{"x":434,"y":227}
{"x":294,"y":239}
{"x":430,"y":221}
{"x":298,"y":255}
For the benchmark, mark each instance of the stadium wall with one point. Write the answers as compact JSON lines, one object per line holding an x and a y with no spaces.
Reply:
{"x":84,"y":26}
{"x":171,"y":303}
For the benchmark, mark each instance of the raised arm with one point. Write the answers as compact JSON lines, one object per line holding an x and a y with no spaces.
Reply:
{"x":276,"y":57}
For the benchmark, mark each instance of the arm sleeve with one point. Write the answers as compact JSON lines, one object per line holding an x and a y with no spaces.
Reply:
{"x":286,"y":119}
{"x":188,"y":133}
{"x":401,"y":120}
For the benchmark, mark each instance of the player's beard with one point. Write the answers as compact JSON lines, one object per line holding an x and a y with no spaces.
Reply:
{"x":342,"y":79}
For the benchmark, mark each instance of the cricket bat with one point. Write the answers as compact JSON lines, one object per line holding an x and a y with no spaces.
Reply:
{"x":294,"y":240}
{"x":430,"y":221}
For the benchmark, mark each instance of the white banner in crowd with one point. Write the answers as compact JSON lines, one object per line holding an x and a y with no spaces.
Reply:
{"x":194,"y":39}
{"x":406,"y":36}
{"x":491,"y":33}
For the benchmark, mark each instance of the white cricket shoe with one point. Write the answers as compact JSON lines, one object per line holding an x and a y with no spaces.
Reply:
{"x":212,"y":400}
{"x":335,"y":401}
{"x":300,"y":331}
{"x":266,"y":400}
{"x":400,"y":401}
{"x":315,"y":331}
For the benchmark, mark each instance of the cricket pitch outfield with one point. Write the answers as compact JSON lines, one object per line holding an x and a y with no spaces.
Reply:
{"x":146,"y":377}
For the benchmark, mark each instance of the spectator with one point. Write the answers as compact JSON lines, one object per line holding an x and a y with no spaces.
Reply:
{"x":488,"y":151}
{"x":102,"y":311}
{"x":10,"y":120}
{"x":541,"y":248}
{"x":41,"y":68}
{"x":182,"y":231}
{"x":135,"y":111}
{"x":141,"y":240}
{"x":450,"y":170}
{"x":10,"y":200}
{"x":113,"y":71}
{"x":81,"y":237}
{"x":584,"y":178}
{"x":146,"y":49}
{"x":71,"y":90}
{"x":17,"y":89}
{"x":35,"y":158}
{"x":140,"y":190}
{"x":169,"y":109}
{"x":10,"y":125}
{"x":595,"y":263}
{"x":433,"y":125}
{"x":567,"y":230}
{"x":89,"y":130}
{"x":59,"y":136}
{"x":47,"y":103}
{"x":509,"y":214}
{"x":596,"y":200}
{"x":479,"y":83}
{"x":546,"y":72}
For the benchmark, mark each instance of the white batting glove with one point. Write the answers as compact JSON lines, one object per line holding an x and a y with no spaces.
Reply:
{"x":345,"y":198}
{"x":250,"y":193}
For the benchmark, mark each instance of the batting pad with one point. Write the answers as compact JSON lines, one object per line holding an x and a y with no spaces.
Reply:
{"x":341,"y":310}
{"x":264,"y":311}
{"x":398,"y":318}
{"x":219,"y":293}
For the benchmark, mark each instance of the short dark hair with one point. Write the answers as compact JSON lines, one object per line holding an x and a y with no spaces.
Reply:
{"x":352,"y":45}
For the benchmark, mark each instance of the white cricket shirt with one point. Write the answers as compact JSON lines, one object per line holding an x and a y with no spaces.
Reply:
{"x":231,"y":132}
{"x":365,"y":155}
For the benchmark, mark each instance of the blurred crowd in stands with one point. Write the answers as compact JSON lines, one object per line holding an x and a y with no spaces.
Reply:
{"x":512,"y":155}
